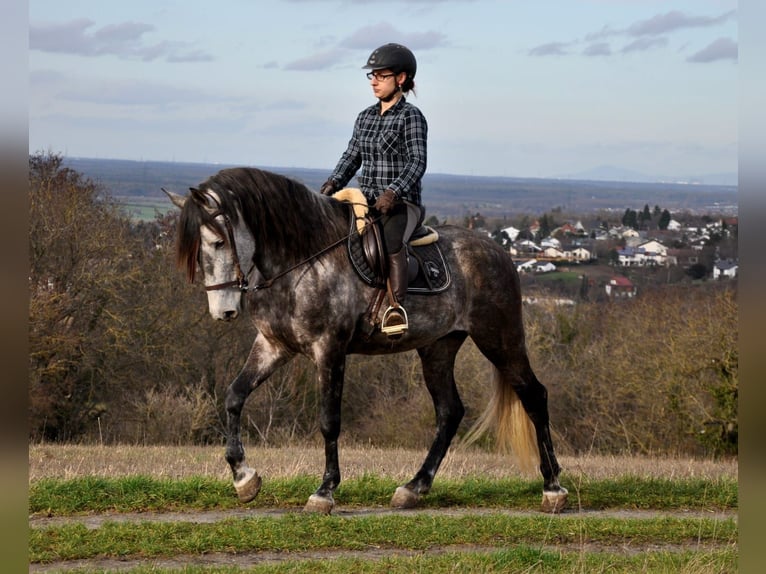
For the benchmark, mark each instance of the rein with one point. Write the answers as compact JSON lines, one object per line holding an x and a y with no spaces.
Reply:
{"x":241,"y":282}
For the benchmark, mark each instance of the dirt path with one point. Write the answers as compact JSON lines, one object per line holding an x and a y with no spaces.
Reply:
{"x":93,"y":521}
{"x":249,"y":559}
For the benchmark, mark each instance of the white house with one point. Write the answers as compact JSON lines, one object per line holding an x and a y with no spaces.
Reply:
{"x":578,"y":254}
{"x":511,"y":232}
{"x":674,"y":225}
{"x":546,"y":267}
{"x":553,"y":253}
{"x":527,"y":246}
{"x":526,"y":266}
{"x":655,"y":253}
{"x":725,"y":270}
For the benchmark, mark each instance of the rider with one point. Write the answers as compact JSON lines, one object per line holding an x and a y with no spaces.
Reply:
{"x":389,"y":144}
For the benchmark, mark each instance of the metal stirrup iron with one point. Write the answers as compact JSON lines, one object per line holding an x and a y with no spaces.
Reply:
{"x":394,"y":322}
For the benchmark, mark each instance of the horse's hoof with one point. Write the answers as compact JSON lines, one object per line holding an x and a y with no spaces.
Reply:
{"x":248,"y":486}
{"x":555,"y":501}
{"x":404,"y":498}
{"x":319,"y":504}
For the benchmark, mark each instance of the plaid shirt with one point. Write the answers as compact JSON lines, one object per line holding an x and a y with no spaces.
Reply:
{"x":390,"y":149}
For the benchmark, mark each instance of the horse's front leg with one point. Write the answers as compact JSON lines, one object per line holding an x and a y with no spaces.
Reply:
{"x":330,"y":373}
{"x":263,"y":359}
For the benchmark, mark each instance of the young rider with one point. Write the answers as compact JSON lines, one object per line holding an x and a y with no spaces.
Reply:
{"x":388,"y":143}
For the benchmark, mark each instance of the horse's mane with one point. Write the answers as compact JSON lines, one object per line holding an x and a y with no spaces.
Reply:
{"x":283,"y":215}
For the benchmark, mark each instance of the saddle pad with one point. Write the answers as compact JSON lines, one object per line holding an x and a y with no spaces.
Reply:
{"x":430,"y":261}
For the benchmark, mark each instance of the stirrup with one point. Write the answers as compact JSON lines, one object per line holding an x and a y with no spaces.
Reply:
{"x":394,"y":321}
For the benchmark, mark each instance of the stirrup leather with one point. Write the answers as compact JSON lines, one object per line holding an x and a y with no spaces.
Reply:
{"x":397,"y":317}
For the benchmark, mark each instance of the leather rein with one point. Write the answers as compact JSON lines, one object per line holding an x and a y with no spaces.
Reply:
{"x":241,"y":282}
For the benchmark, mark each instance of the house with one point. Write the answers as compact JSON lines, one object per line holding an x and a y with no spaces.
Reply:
{"x":511,"y":232}
{"x":527,"y":246}
{"x":620,"y":287}
{"x":648,"y":253}
{"x":546,"y":267}
{"x":553,"y":253}
{"x":526,"y":266}
{"x":674,"y":225}
{"x":550,"y":242}
{"x":578,"y":254}
{"x":655,"y":253}
{"x":630,"y":257}
{"x":725,"y":270}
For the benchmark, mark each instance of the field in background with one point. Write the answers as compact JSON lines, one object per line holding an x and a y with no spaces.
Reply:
{"x":73,"y":461}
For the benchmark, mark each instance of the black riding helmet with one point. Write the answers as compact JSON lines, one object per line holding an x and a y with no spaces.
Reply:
{"x":394,"y":57}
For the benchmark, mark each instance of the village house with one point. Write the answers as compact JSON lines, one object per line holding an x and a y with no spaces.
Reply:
{"x":578,"y":254}
{"x":648,"y":253}
{"x":725,"y":270}
{"x":620,"y":287}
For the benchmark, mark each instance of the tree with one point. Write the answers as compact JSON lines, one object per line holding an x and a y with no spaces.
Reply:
{"x":664,"y":220}
{"x":645,"y":216}
{"x":112,"y":324}
{"x":78,"y":256}
{"x":630,"y":218}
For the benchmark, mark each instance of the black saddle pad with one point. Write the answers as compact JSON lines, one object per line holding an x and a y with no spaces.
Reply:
{"x":433,"y":273}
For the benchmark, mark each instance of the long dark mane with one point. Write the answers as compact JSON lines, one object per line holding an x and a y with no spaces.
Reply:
{"x":282,"y":214}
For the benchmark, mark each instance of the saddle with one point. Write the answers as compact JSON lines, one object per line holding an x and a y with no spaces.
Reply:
{"x":428,"y":272}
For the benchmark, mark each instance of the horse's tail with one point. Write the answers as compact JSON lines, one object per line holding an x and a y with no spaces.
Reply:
{"x":513,"y":428}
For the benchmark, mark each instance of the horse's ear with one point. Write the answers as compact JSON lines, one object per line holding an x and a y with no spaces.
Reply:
{"x":178,"y":200}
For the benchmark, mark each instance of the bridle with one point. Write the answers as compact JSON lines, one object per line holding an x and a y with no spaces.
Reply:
{"x":240,"y":282}
{"x":241,"y":278}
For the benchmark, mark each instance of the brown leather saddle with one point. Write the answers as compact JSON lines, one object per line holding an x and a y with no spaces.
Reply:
{"x":428,"y":270}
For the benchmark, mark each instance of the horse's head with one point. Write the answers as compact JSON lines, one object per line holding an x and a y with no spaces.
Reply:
{"x":212,"y":239}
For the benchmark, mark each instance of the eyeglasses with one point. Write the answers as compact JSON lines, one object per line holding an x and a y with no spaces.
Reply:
{"x":378,"y":76}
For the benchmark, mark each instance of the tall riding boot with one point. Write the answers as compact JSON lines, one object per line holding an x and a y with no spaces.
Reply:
{"x":395,"y":318}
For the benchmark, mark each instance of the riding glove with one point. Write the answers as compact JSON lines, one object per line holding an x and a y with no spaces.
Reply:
{"x":385,"y":201}
{"x":329,"y":187}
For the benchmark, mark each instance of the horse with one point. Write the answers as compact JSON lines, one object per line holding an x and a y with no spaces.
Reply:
{"x":269,"y":244}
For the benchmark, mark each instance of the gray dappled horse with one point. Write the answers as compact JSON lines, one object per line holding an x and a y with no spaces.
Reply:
{"x":268,"y":240}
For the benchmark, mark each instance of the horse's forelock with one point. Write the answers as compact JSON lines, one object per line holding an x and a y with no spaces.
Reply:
{"x":194,"y":215}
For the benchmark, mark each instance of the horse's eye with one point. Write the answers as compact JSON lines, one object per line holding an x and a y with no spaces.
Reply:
{"x":220,"y":244}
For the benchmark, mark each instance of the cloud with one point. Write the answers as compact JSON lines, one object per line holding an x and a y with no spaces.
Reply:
{"x":550,"y":49}
{"x":124,"y":40}
{"x":647,"y":34}
{"x":720,"y":49}
{"x":369,"y":37}
{"x":672,"y":21}
{"x":643,"y":44}
{"x":319,"y":61}
{"x":597,"y":49}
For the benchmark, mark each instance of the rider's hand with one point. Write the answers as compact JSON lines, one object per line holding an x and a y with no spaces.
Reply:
{"x":385,"y":201}
{"x":329,"y":187}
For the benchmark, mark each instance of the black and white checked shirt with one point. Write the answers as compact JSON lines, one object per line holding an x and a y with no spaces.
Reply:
{"x":390,"y":149}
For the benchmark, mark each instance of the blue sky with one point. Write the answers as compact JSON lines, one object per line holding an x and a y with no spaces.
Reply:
{"x":514,"y":88}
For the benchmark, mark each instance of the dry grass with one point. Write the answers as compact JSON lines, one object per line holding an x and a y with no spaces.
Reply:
{"x":72,"y":461}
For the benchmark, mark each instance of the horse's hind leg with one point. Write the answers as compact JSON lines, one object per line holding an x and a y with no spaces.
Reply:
{"x":438,"y":361}
{"x":261,"y":362}
{"x":515,"y":380}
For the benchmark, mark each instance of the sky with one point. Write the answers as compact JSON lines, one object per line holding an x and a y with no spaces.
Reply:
{"x":518,"y":88}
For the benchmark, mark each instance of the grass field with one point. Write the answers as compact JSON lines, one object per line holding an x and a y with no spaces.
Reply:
{"x":169,"y":509}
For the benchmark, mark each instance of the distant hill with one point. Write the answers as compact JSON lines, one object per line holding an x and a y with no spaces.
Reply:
{"x":612,"y":173}
{"x":136,"y":182}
